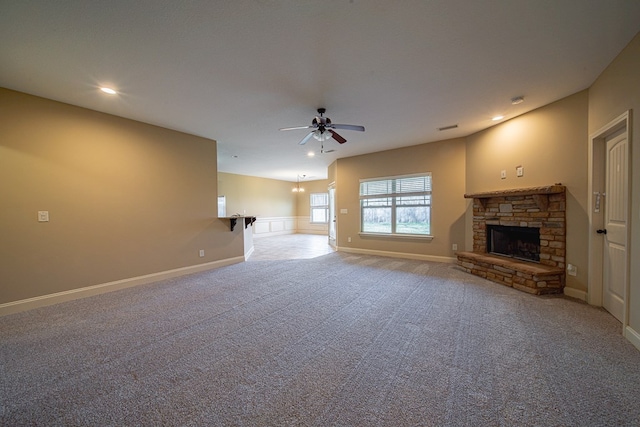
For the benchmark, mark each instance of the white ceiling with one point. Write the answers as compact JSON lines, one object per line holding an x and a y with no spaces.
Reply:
{"x":237,"y":71}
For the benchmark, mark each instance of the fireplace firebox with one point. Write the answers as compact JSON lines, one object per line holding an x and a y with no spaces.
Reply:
{"x":521,"y":243}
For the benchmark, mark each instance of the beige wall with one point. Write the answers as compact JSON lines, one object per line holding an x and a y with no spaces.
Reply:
{"x":125,"y":199}
{"x":260,"y":197}
{"x":551,"y":144}
{"x":615,"y":91}
{"x":444,"y":159}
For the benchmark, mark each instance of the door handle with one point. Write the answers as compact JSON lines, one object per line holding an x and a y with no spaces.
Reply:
{"x":602,"y":231}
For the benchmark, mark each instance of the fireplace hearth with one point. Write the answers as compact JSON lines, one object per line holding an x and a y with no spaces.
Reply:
{"x":521,"y":243}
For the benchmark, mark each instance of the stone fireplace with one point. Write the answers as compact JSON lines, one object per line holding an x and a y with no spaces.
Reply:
{"x":519,"y":238}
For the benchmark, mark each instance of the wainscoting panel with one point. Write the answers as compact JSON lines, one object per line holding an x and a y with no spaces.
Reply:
{"x":260,"y":227}
{"x":306,"y":227}
{"x":273,"y":226}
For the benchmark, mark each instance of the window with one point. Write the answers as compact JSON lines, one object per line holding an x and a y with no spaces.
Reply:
{"x":397,"y":205}
{"x":319,"y":208}
{"x":222,"y":206}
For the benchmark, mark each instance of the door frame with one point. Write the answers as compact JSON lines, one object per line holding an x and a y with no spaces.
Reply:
{"x":332,"y":215}
{"x":596,"y":184}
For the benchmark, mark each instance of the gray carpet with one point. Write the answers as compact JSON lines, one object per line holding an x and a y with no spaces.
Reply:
{"x":339,"y":340}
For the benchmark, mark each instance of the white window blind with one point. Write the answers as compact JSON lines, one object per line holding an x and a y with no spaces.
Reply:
{"x":319,"y":207}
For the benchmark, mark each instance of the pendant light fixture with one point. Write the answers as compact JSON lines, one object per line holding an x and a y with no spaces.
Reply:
{"x":297,"y":188}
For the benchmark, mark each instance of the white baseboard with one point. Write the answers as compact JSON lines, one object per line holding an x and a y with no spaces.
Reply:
{"x":73,"y":294}
{"x":305,"y":226}
{"x":271,"y":234}
{"x":248,"y":254}
{"x":421,"y":257}
{"x":576,"y":293}
{"x":314,"y":232}
{"x":633,"y":336}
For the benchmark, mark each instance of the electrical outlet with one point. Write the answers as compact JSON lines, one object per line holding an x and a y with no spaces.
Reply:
{"x":201,"y":253}
{"x":349,"y":239}
{"x":572,"y":270}
{"x":454,"y":247}
{"x":503,"y":174}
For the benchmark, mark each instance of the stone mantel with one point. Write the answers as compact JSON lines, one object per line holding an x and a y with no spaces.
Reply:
{"x":539,"y":194}
{"x":549,"y":189}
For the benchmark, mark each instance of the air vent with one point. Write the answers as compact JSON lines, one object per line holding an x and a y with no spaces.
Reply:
{"x":448,"y":127}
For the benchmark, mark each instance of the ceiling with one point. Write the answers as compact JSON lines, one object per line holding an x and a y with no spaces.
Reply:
{"x":237,"y":71}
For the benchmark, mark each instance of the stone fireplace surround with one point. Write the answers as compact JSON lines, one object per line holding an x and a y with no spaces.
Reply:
{"x":539,"y":207}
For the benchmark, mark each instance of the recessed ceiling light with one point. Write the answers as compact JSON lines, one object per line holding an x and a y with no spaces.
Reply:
{"x":234,"y":156}
{"x":311,"y":154}
{"x":108,"y":90}
{"x":496,"y":118}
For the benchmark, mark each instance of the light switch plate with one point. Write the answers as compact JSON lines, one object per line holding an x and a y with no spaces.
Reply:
{"x":43,"y":216}
{"x":519,"y":171}
{"x":503,"y":174}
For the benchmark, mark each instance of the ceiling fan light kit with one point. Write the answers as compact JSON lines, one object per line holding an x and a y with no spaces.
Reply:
{"x":322,"y":136}
{"x":322,"y":129}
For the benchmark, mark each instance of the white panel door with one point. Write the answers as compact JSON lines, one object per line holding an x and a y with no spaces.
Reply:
{"x":615,"y":231}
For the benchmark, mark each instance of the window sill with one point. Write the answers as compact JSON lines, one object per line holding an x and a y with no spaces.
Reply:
{"x":428,"y":238}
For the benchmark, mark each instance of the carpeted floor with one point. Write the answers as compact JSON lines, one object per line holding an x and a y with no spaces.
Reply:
{"x":339,"y":340}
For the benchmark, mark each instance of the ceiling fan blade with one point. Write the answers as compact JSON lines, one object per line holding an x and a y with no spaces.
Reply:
{"x":348,"y":127}
{"x":298,"y":127}
{"x":306,"y":138}
{"x":337,"y":137}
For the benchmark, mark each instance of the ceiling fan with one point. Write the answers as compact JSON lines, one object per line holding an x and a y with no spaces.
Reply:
{"x":323,"y":129}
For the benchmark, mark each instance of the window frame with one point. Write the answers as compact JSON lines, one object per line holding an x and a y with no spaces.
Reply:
{"x":393,"y":196}
{"x":324,"y":207}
